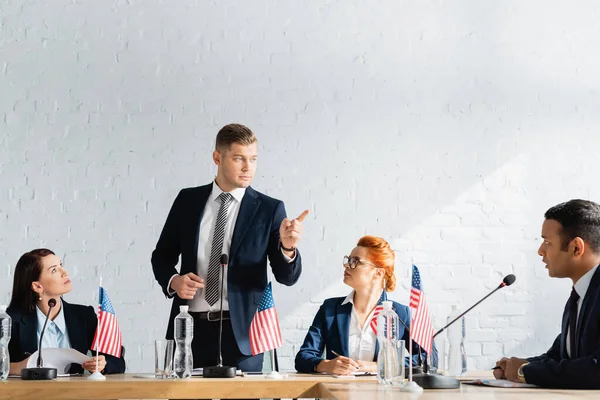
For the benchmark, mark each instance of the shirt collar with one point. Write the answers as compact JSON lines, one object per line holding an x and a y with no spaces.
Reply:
{"x":238,"y":194}
{"x":349,"y":298}
{"x":59,"y":321}
{"x":583,"y":283}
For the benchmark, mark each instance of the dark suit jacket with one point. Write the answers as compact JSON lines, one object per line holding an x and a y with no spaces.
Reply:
{"x":330,"y":330}
{"x":554,"y":368}
{"x":255,"y":237}
{"x":81,"y":323}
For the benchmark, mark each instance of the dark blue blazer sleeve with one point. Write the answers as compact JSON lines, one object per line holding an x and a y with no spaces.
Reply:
{"x":552,"y":354}
{"x":168,"y":248}
{"x":311,"y":352}
{"x":579,"y":373}
{"x":286,"y":273}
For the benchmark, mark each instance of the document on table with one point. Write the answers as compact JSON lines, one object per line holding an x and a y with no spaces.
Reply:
{"x":61,"y":359}
{"x":500,"y":383}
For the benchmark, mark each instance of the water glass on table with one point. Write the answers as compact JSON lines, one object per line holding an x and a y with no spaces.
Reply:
{"x":163,"y":358}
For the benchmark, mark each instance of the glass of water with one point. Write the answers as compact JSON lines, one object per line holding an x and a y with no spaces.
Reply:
{"x":163,"y":358}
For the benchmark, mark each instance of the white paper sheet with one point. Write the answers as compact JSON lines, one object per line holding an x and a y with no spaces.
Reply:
{"x":58,"y":358}
{"x":501,"y":383}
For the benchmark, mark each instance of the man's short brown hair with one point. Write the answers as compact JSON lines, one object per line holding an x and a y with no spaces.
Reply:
{"x":234,"y":133}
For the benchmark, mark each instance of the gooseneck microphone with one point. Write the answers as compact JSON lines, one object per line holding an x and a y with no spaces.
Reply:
{"x":40,"y":373}
{"x":220,"y":371}
{"x":430,"y":381}
{"x":507,"y":281}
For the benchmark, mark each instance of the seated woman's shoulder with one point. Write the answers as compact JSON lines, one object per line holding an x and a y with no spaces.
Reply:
{"x":400,"y":308}
{"x":80,"y":308}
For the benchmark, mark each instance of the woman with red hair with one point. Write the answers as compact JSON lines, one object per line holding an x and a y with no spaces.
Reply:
{"x":343,"y":326}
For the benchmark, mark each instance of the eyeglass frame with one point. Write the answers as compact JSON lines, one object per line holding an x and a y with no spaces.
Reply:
{"x":347,"y":260}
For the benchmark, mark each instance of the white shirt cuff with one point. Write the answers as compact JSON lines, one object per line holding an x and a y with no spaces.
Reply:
{"x":286,"y":258}
{"x":169,"y":290}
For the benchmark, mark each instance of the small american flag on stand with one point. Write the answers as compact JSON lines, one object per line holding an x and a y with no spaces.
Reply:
{"x":421,"y":328}
{"x":108,"y":338}
{"x":377,"y":311}
{"x":265,"y":333}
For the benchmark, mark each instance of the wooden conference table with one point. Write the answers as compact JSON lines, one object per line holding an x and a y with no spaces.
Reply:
{"x":128,"y":386}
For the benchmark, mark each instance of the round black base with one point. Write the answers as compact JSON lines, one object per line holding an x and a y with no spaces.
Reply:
{"x":38,"y":374}
{"x":218,"y":372}
{"x":430,"y":381}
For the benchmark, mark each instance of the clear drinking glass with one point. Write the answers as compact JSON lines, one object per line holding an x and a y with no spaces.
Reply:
{"x":163,"y":358}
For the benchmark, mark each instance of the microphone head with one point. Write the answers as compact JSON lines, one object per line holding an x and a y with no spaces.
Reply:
{"x":51,"y":303}
{"x":224,"y":259}
{"x":509,"y":280}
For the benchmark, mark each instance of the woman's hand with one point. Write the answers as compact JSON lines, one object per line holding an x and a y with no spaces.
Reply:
{"x":367,"y":366}
{"x":91,"y":364}
{"x":338,"y":366}
{"x":16,"y":367}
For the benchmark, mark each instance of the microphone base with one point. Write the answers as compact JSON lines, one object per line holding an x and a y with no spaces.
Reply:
{"x":218,"y":372}
{"x":430,"y":381}
{"x":38,"y":374}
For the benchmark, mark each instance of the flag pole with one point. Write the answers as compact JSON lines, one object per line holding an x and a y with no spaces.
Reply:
{"x":410,"y":386}
{"x":97,"y":375}
{"x":99,"y":319}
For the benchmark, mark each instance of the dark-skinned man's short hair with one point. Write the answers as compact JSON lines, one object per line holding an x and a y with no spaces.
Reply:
{"x":579,"y":218}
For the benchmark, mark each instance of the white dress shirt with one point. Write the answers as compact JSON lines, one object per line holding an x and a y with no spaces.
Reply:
{"x":56,"y":334}
{"x":361,"y":341}
{"x":205,"y":238}
{"x":581,"y":288}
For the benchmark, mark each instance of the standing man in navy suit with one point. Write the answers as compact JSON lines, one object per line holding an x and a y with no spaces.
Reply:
{"x":228,"y":217}
{"x":571,"y":249}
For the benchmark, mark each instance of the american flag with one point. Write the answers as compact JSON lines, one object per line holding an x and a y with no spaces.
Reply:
{"x":377,"y":311}
{"x":421,"y":328}
{"x":265,"y":333}
{"x":108,"y":338}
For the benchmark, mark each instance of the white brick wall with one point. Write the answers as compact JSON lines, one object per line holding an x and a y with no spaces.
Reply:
{"x":446,"y":127}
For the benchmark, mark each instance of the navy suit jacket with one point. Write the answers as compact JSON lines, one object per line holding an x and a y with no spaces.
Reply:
{"x":81,"y":322}
{"x":255,"y":238}
{"x":554,"y":368}
{"x":330,"y":330}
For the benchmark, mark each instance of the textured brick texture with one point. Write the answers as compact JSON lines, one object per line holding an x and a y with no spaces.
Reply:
{"x":446,"y":127}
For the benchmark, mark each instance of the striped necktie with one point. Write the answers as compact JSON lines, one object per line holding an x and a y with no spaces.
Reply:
{"x":211,"y":292}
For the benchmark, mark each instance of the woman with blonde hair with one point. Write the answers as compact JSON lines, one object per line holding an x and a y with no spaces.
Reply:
{"x":343,"y":325}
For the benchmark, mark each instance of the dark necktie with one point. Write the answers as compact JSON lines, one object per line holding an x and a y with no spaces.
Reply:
{"x":573,"y":322}
{"x":211,"y":292}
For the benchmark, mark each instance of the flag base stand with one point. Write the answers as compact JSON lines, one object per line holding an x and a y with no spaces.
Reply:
{"x":411,"y":387}
{"x":96,"y":376}
{"x":431,"y":381}
{"x":273,"y":375}
{"x":218,"y":371}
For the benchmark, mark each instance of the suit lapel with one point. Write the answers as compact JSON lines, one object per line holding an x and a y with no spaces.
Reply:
{"x":582,"y":317}
{"x":75,"y":328}
{"x":28,"y":335}
{"x":248,"y":209}
{"x":563,"y":333}
{"x":343,"y":322}
{"x":197,"y":211}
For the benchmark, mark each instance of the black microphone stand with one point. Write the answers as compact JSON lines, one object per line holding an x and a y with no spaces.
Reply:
{"x":431,"y":381}
{"x":220,"y":371}
{"x":40,"y":373}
